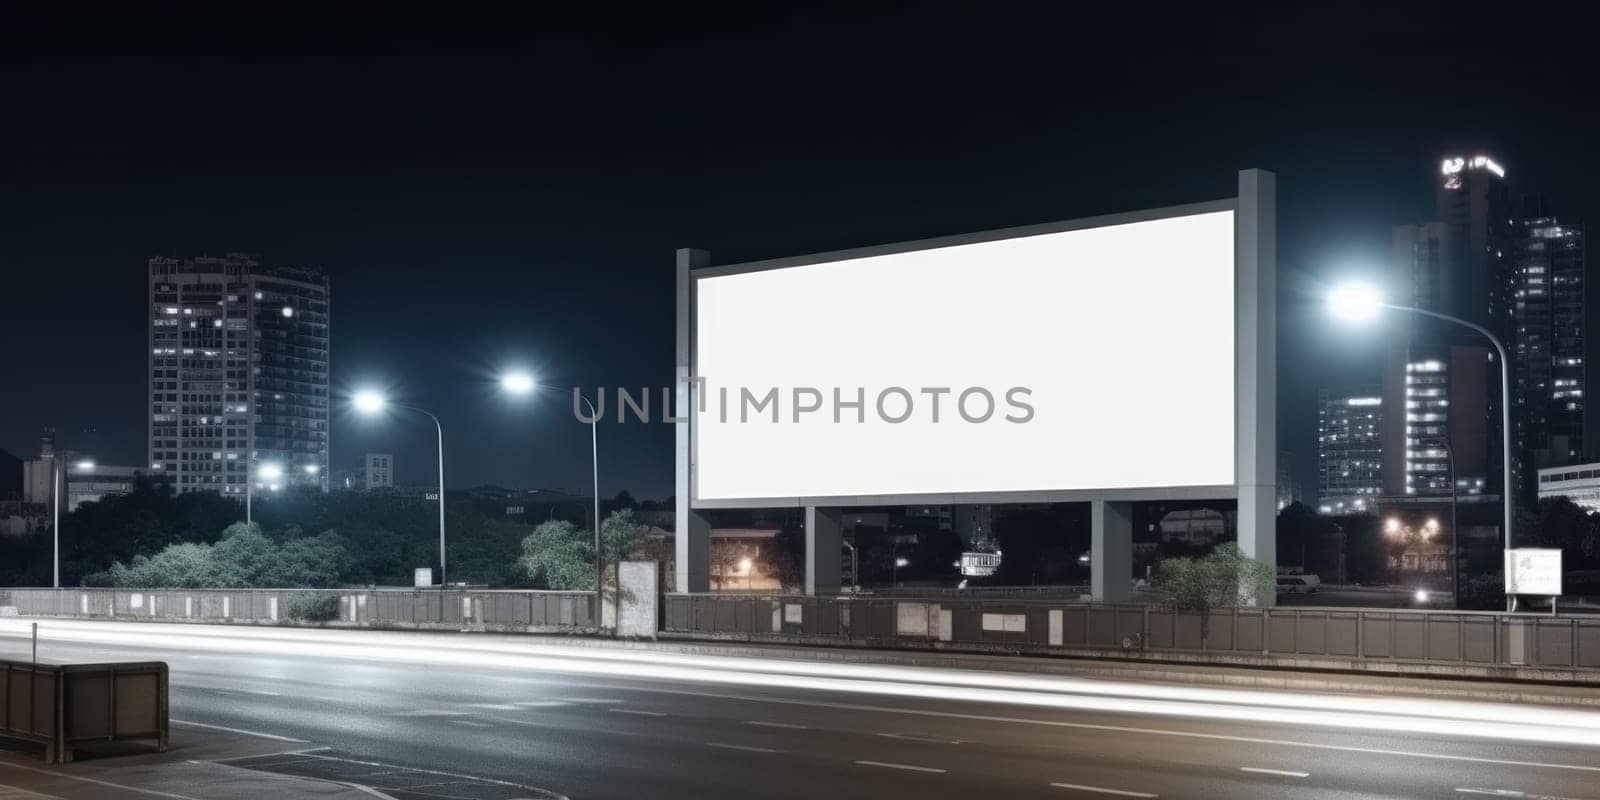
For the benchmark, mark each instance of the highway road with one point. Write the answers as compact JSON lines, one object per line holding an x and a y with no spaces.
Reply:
{"x":503,"y":717}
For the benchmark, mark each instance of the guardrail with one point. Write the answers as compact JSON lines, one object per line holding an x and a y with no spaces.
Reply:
{"x":1485,"y":644}
{"x":63,"y":706}
{"x":490,"y":609}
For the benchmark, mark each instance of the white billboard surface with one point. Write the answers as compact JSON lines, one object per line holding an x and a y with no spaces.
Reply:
{"x":1099,"y":358}
{"x":1533,"y":571}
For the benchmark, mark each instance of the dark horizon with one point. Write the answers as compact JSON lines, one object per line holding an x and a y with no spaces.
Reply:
{"x":492,"y":193}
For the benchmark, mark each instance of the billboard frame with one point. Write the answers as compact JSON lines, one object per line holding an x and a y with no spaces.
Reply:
{"x":1254,"y":210}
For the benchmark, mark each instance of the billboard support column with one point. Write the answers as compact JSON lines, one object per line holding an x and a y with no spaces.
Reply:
{"x":692,"y":532}
{"x":824,"y":545}
{"x":1110,"y":551}
{"x":1256,"y":409}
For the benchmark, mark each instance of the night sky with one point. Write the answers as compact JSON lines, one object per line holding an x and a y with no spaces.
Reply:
{"x":510,"y":190}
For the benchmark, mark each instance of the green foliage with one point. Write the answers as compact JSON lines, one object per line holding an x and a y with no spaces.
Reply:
{"x":620,"y":534}
{"x":320,"y":607}
{"x":244,"y":558}
{"x":1224,"y":577}
{"x":558,"y":555}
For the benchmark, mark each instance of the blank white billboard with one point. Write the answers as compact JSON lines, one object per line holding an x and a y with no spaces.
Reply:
{"x":1106,"y":356}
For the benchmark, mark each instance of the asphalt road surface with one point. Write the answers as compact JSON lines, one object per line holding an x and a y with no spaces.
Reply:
{"x":476,"y":716}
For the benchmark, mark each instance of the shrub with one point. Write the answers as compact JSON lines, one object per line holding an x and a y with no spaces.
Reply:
{"x":321,"y":607}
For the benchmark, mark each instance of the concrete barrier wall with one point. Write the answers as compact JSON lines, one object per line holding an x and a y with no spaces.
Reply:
{"x":498,"y":610}
{"x":64,"y":705}
{"x":1460,"y":643}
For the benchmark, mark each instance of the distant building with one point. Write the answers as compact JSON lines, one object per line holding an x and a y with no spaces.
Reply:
{"x":1198,"y":526}
{"x":379,"y":471}
{"x":1579,"y":483}
{"x":238,"y":373}
{"x":1349,"y":450}
{"x":38,"y":474}
{"x":1288,"y":487}
{"x":91,"y":483}
{"x":1545,"y":269}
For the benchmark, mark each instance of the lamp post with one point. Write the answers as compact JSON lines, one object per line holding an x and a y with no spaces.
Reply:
{"x":370,"y":403}
{"x":55,"y":509}
{"x":1362,"y":303}
{"x":519,"y":383}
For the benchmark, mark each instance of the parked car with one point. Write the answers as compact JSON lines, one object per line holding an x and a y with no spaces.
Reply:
{"x":1298,"y":584}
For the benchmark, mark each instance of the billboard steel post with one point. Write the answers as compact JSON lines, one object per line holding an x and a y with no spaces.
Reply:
{"x":1255,"y":364}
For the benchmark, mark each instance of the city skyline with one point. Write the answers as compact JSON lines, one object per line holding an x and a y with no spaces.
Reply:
{"x":493,"y":225}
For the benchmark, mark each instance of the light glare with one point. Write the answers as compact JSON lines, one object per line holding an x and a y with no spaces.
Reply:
{"x":517,"y":382}
{"x":1355,"y":302}
{"x":369,"y":402}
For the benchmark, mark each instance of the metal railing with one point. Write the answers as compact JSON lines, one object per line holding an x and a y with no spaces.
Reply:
{"x":1343,"y":637}
{"x":497,"y":609}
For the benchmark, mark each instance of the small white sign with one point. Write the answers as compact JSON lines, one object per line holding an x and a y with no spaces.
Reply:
{"x":1533,"y":571}
{"x":422,"y":577}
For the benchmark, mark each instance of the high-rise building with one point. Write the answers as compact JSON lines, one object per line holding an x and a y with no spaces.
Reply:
{"x":1544,"y":271}
{"x":380,"y":471}
{"x":238,"y":373}
{"x":1349,"y":450}
{"x":1504,"y":262}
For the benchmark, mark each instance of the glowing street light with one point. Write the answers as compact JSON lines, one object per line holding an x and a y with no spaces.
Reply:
{"x":518,"y":382}
{"x":1354,"y":302}
{"x":370,"y":403}
{"x":521,"y":383}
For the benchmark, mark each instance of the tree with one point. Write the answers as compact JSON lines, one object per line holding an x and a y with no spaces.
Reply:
{"x":558,"y":555}
{"x":244,"y":558}
{"x":620,"y":534}
{"x":1224,"y":577}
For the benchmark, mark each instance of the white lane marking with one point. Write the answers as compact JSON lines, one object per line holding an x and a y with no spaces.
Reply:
{"x":256,"y":692}
{"x":540,"y":704}
{"x":745,"y":747}
{"x":471,"y":723}
{"x":257,"y":734}
{"x":907,"y":767}
{"x":367,"y":790}
{"x":605,"y":701}
{"x":266,"y":755}
{"x":636,"y":712}
{"x":929,"y":739}
{"x":54,"y":774}
{"x":16,"y":793}
{"x":496,"y":706}
{"x":1511,"y":793}
{"x":429,"y":713}
{"x":542,"y":792}
{"x":1284,"y":772}
{"x":1219,"y":737}
{"x":787,"y":725}
{"x":1078,"y":787}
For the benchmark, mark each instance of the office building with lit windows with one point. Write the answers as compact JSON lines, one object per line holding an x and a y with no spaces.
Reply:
{"x":1503,"y":261}
{"x":238,"y":374}
{"x":1544,"y":263}
{"x":1349,"y":450}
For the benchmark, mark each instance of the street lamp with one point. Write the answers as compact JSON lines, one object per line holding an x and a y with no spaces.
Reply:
{"x":272,"y":473}
{"x":83,"y":465}
{"x":520,"y":383}
{"x":1361,"y":303}
{"x":368,"y":403}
